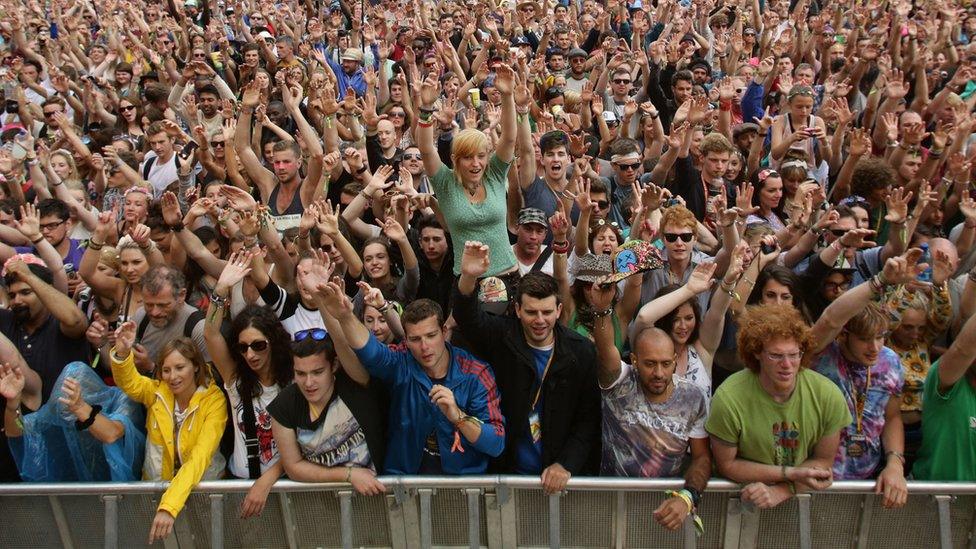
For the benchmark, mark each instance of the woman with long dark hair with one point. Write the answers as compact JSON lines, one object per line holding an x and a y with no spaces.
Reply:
{"x":254,"y":362}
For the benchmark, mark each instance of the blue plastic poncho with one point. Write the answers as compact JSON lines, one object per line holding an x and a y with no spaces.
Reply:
{"x":53,"y":450}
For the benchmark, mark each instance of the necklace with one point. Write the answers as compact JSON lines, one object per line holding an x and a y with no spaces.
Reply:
{"x":473,"y":190}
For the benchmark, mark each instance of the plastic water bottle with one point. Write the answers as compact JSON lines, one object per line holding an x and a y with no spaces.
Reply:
{"x":926,"y":275}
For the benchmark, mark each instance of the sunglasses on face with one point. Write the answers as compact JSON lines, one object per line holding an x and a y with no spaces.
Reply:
{"x":127,"y":108}
{"x":673,"y":237}
{"x":602,"y":204}
{"x":318,"y":334}
{"x":397,"y":114}
{"x":256,"y":346}
{"x":625,"y":167}
{"x":217,"y":143}
{"x":621,"y":81}
{"x":838,"y":232}
{"x":411,"y":156}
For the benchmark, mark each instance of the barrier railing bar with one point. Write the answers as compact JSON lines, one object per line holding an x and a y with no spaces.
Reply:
{"x":803,"y":512}
{"x":505,"y":497}
{"x":516,"y":482}
{"x":474,"y":517}
{"x":493,"y":521}
{"x":554,"y":521}
{"x":689,"y":534}
{"x":749,"y":531}
{"x":620,"y":521}
{"x":864,"y":521}
{"x":216,"y":520}
{"x":345,"y":518}
{"x":945,"y":521}
{"x":61,"y":522}
{"x":733,"y":522}
{"x":111,"y":521}
{"x":288,"y":518}
{"x":425,"y":518}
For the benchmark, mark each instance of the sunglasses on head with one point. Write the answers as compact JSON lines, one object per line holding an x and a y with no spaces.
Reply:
{"x":318,"y":334}
{"x":673,"y":237}
{"x":256,"y":346}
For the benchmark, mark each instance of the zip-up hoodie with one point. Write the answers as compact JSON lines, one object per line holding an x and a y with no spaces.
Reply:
{"x":197,"y":441}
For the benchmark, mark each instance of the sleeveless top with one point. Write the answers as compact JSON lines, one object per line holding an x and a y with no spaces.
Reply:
{"x":295,"y":208}
{"x":696,"y":372}
{"x":807,"y":145}
{"x":618,"y":336}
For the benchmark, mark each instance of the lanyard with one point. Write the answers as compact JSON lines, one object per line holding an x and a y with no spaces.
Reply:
{"x":860,"y":399}
{"x":538,"y":391}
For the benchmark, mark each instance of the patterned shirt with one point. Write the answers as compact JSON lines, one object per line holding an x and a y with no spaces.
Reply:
{"x":917,"y":360}
{"x":886,"y":381}
{"x":648,"y":439}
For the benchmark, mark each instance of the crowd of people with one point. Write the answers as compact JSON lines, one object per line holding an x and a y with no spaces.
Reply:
{"x":334,"y":241}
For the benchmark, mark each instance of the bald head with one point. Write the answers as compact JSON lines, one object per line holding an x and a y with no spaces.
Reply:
{"x":653,"y":343}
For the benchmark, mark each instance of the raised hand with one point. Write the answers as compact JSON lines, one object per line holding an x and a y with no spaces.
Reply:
{"x":125,"y":336}
{"x":371,"y":296}
{"x":11,"y":382}
{"x":904,"y":268}
{"x":897,"y":203}
{"x":701,"y":278}
{"x":238,"y":199}
{"x":170,"y":207}
{"x":475,"y":260}
{"x":29,"y":224}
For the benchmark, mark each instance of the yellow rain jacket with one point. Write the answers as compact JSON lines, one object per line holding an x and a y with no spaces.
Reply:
{"x":197,"y":441}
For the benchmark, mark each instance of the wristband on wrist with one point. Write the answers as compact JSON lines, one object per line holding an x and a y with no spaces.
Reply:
{"x":37,"y":240}
{"x":82,"y":425}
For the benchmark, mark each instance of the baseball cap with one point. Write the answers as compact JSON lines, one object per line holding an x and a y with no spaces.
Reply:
{"x":532,"y":215}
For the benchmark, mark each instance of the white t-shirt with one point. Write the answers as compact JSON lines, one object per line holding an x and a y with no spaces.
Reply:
{"x":524,"y":269}
{"x":268,"y":449}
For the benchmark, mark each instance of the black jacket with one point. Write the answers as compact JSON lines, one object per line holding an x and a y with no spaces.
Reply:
{"x":571,"y":396}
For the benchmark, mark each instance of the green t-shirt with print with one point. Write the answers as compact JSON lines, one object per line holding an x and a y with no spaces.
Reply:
{"x":765,"y":431}
{"x":948,"y":449}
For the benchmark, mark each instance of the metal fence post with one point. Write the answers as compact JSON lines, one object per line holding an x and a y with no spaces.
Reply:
{"x":111,"y":521}
{"x":474,"y":517}
{"x":216,"y":520}
{"x":803,"y":510}
{"x":426,"y":528}
{"x":945,"y":521}
{"x":554,"y":520}
{"x":345,"y":517}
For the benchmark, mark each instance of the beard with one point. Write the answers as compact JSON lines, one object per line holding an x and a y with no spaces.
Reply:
{"x":21,"y":314}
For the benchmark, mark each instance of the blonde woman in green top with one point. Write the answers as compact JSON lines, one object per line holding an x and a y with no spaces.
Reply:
{"x":472,"y":194}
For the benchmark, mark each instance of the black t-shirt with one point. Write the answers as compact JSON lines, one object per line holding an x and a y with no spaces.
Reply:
{"x":349,"y":431}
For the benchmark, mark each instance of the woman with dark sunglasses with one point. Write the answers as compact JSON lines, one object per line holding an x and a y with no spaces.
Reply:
{"x":255,"y":363}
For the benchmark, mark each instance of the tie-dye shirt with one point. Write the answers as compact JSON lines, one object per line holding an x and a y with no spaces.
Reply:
{"x":886,"y":382}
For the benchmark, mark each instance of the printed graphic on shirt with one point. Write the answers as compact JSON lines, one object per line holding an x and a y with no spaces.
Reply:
{"x":786,"y":437}
{"x":338,"y":441}
{"x":266,"y":443}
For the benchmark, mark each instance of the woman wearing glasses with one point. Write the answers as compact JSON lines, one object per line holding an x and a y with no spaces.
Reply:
{"x":185,"y":417}
{"x":676,"y":310}
{"x":253,"y":372}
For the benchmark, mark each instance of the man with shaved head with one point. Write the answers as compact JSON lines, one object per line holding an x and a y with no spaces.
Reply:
{"x":651,"y":416}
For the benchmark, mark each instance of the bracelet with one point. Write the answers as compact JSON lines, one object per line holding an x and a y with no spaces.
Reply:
{"x":362,"y":170}
{"x":38,"y":240}
{"x":972,"y":275}
{"x":303,"y":236}
{"x":783,"y":471}
{"x":560,"y":247}
{"x":898,"y":455}
{"x":935,"y":154}
{"x":384,"y":307}
{"x":82,"y":425}
{"x":217,"y":300}
{"x":425,"y":123}
{"x":348,"y":473}
{"x":726,"y":226}
{"x":177,"y":227}
{"x":94,"y":246}
{"x":604,"y":313}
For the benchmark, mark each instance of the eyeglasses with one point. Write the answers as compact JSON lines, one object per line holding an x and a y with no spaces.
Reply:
{"x":621,"y":81}
{"x":256,"y":346}
{"x":781,"y":357}
{"x":673,"y":237}
{"x":398,"y":114}
{"x":127,"y":108}
{"x":52,"y":225}
{"x":602,"y":204}
{"x":840,"y":286}
{"x":625,"y":167}
{"x":411,"y":156}
{"x":318,"y":334}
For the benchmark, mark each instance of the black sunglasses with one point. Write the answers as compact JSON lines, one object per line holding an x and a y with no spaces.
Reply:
{"x":838,"y":232}
{"x":621,"y":81}
{"x":603,"y":204}
{"x":625,"y":167}
{"x":673,"y":237}
{"x":411,"y":156}
{"x":318,"y":334}
{"x":256,"y":346}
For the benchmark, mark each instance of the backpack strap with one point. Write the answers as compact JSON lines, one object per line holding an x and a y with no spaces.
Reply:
{"x":148,"y":167}
{"x":141,"y":329}
{"x":191,"y":322}
{"x":251,"y":444}
{"x":543,"y":257}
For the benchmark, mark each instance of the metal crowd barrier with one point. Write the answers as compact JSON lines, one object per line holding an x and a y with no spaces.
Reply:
{"x":487,"y":511}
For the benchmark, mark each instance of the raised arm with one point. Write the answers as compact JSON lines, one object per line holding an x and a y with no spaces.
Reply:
{"x":238,"y":267}
{"x":262,"y":177}
{"x":71,"y":319}
{"x":651,"y":312}
{"x":429,"y":91}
